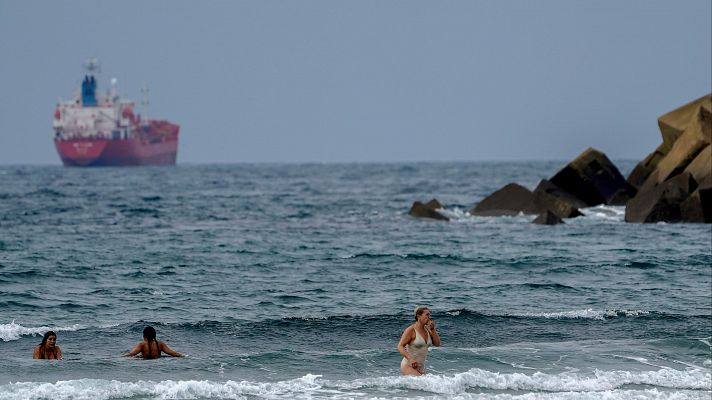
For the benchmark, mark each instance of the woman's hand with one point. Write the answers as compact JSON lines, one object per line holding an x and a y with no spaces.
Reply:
{"x":414,"y":364}
{"x":430,"y":326}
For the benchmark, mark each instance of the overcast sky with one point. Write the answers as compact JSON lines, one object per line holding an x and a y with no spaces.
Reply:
{"x":345,"y":81}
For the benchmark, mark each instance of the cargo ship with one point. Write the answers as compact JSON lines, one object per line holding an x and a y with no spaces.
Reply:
{"x":92,"y":130}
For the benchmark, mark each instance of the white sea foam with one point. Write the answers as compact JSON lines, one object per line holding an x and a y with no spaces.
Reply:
{"x":13,"y":331}
{"x":606,"y":213}
{"x":455,"y":213}
{"x":597,"y":213}
{"x":110,"y":325}
{"x":458,"y":215}
{"x":588,"y":313}
{"x":99,"y":389}
{"x":676,"y":384}
{"x":454,"y":313}
{"x":691,"y":379}
{"x":649,"y":394}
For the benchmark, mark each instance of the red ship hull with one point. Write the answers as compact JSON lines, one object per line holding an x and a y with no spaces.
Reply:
{"x":139,"y":149}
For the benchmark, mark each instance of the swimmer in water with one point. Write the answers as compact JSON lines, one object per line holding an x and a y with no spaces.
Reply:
{"x":151,"y":348}
{"x":48,"y":349}
{"x":415,"y":341}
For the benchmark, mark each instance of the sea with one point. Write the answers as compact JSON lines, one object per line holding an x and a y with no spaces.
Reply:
{"x":295,"y":281}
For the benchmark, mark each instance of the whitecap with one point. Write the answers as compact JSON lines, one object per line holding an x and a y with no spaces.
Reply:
{"x":453,"y":313}
{"x":693,"y":379}
{"x":605,"y":213}
{"x":601,"y":385}
{"x":13,"y":331}
{"x":588,"y":313}
{"x":100,"y":389}
{"x":648,"y":394}
{"x":455,"y":214}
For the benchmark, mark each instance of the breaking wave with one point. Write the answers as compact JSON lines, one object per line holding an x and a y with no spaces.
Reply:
{"x":691,"y":379}
{"x":588,"y":313}
{"x":13,"y":331}
{"x":600,"y":213}
{"x":663,"y":383}
{"x":606,"y":213}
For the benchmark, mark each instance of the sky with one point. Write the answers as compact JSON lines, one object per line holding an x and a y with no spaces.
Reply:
{"x":363,"y":81}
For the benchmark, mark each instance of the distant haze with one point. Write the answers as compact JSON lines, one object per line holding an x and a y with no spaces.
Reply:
{"x":363,"y":81}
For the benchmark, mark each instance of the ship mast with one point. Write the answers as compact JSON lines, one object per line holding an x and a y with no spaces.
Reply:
{"x":88,"y":87}
{"x":92,"y":66}
{"x":144,"y":105}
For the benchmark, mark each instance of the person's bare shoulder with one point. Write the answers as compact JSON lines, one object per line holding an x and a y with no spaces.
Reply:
{"x":142,"y":347}
{"x":409,"y":331}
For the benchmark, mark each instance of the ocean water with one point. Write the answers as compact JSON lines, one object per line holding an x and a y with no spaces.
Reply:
{"x":296,"y":281}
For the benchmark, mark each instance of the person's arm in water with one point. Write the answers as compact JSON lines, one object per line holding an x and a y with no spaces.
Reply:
{"x":433,"y":333}
{"x":58,"y":352}
{"x":135,"y":350}
{"x":36,"y":353}
{"x":164,"y":348}
{"x":407,"y":337}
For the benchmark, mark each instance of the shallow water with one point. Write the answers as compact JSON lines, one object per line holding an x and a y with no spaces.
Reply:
{"x":283,"y":281}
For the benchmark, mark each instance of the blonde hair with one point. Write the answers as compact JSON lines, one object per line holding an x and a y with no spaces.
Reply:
{"x":420,"y":310}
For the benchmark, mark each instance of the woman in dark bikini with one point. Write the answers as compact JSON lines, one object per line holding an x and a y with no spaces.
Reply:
{"x":48,"y":349}
{"x":150,"y":347}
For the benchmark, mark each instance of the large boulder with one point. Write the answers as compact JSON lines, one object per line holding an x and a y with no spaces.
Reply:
{"x":689,"y":144}
{"x":559,"y":206}
{"x":698,"y":207}
{"x":547,"y":218}
{"x":675,"y":181}
{"x":662,"y":202}
{"x":594,"y":179}
{"x":640,"y":173}
{"x":511,"y":199}
{"x":427,"y":210}
{"x":701,"y":167}
{"x":546,"y":187}
{"x":672,"y":124}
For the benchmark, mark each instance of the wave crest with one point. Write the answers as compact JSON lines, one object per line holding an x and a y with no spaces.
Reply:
{"x":587,"y":313}
{"x":691,"y":379}
{"x":691,"y":383}
{"x":99,"y":389}
{"x":13,"y":331}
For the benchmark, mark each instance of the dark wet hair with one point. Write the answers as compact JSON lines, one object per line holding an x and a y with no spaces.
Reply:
{"x":44,"y":342}
{"x":149,"y":333}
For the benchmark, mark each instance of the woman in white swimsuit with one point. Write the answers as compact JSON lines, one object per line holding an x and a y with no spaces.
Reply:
{"x":415,"y":341}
